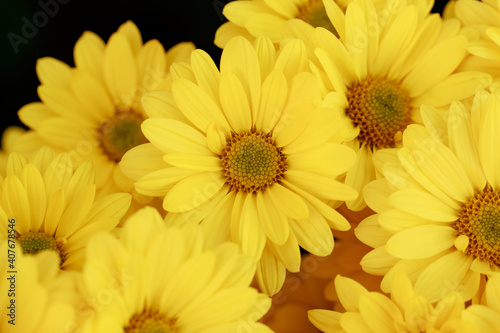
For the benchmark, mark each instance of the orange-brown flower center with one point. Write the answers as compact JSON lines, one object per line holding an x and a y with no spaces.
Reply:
{"x":252,"y":162}
{"x":381,"y":109}
{"x":150,"y":321}
{"x":120,"y":133}
{"x":479,"y":220}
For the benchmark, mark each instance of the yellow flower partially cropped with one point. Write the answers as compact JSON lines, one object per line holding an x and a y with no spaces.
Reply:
{"x":481,"y":20}
{"x":486,"y":315}
{"x":248,"y":151}
{"x":53,"y":206}
{"x":405,"y":311}
{"x":159,"y":278}
{"x":438,"y":210}
{"x":36,"y":295}
{"x":384,"y":65}
{"x":267,"y":18}
{"x":93,"y":111}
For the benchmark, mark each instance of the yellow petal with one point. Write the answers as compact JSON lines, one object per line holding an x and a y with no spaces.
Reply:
{"x":194,"y":161}
{"x":91,"y":93}
{"x":488,"y":141}
{"x":429,"y":206}
{"x":240,"y":58}
{"x":378,"y":312}
{"x":171,"y":135}
{"x":53,"y":72}
{"x":235,"y":103}
{"x":421,"y":241}
{"x":251,"y":237}
{"x":151,"y":66}
{"x":349,"y":292}
{"x":274,"y":222}
{"x":161,"y":104}
{"x":266,"y":53}
{"x":292,"y":59}
{"x":33,"y":114}
{"x":120,"y":70}
{"x":313,"y":234}
{"x":89,"y":54}
{"x":133,"y":163}
{"x":15,"y":203}
{"x":322,"y":187}
{"x":288,"y":202}
{"x":272,"y":101}
{"x":206,"y":73}
{"x":132,"y":34}
{"x":197,"y":106}
{"x":270,"y":274}
{"x":216,"y":140}
{"x":192,"y":191}
{"x":35,"y":190}
{"x":329,"y":160}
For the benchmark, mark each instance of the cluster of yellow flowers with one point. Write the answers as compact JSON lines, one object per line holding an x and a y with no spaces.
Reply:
{"x":155,"y":191}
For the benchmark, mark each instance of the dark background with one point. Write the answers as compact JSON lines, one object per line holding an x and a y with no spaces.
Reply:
{"x":169,"y":21}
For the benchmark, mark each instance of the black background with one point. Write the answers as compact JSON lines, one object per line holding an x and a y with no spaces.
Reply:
{"x":169,"y":21}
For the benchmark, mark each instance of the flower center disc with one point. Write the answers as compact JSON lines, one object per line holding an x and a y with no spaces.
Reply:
{"x":381,"y":109}
{"x":149,"y":321}
{"x":479,"y":219}
{"x":252,"y":162}
{"x":314,"y":13}
{"x":34,"y":242}
{"x":120,"y":133}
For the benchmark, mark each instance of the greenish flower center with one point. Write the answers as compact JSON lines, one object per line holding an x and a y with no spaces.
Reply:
{"x":34,"y":242}
{"x":119,"y":134}
{"x":149,"y":321}
{"x":381,"y":109}
{"x":314,"y":13}
{"x":479,"y":220}
{"x":252,"y":162}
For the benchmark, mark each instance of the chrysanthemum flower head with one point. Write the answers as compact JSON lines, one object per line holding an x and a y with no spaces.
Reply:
{"x":37,"y":295}
{"x":383,"y":66}
{"x":250,"y":152}
{"x":482,"y":21}
{"x":439,"y":206}
{"x":163,"y":278}
{"x":404,"y":311}
{"x":267,"y":18}
{"x":54,"y":205}
{"x":93,"y":110}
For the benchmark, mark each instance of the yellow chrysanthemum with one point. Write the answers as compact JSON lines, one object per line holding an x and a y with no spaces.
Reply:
{"x":405,"y":311}
{"x":159,"y":278}
{"x":93,"y":111}
{"x":439,"y":206}
{"x":54,"y":206}
{"x":9,"y":137}
{"x":382,"y":68}
{"x":267,"y":18}
{"x":246,"y":150}
{"x":36,"y":295}
{"x":482,"y":21}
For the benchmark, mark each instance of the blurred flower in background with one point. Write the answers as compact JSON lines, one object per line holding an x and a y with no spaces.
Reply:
{"x":93,"y":111}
